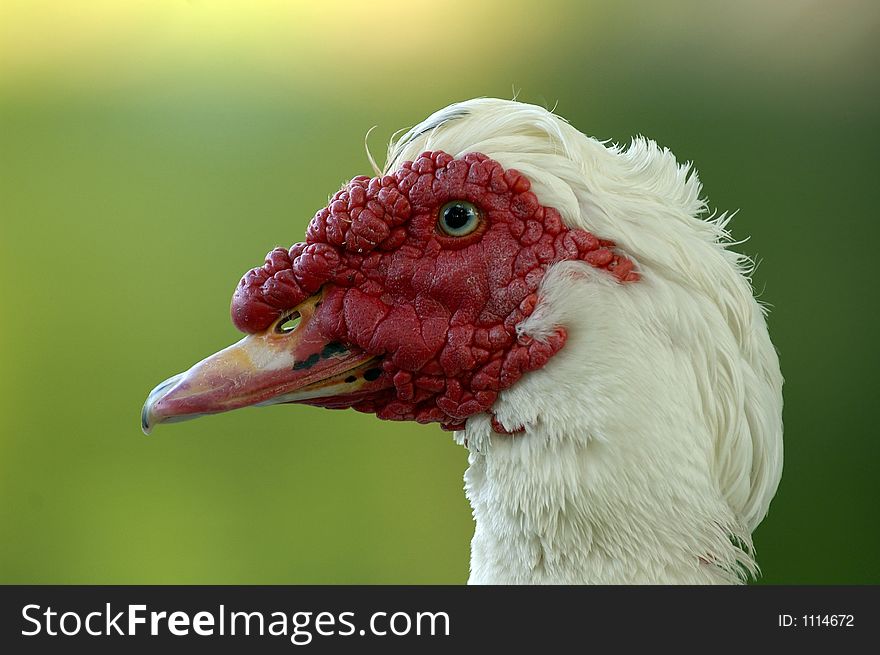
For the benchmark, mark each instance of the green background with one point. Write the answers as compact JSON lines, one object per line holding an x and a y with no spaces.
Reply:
{"x":151,"y":152}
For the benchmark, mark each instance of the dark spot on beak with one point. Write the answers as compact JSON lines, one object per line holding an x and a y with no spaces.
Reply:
{"x":351,"y":379}
{"x":333,"y":348}
{"x":310,"y":361}
{"x":372,"y":374}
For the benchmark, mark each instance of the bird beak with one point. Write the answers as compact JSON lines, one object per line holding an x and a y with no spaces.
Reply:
{"x":289,"y":362}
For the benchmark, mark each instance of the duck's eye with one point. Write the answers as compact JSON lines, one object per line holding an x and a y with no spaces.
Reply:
{"x":458,"y":218}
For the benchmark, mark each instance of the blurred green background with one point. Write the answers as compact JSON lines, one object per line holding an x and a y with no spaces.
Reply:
{"x":151,"y":152}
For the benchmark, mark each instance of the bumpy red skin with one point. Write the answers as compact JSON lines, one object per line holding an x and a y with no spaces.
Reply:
{"x":440,"y":311}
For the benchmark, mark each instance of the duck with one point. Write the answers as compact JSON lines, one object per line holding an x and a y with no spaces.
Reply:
{"x":568,"y":307}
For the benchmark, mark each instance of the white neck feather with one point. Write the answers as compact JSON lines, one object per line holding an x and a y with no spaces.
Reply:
{"x":615,"y":479}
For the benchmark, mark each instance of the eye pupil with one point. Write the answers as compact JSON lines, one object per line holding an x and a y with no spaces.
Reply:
{"x":459,"y":218}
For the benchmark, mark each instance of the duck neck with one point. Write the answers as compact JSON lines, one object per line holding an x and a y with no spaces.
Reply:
{"x":621,"y":467}
{"x":552,"y":508}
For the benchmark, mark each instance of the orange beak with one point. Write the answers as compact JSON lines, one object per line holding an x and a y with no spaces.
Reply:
{"x":289,"y":362}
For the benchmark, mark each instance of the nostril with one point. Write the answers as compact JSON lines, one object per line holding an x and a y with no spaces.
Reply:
{"x":288,"y":324}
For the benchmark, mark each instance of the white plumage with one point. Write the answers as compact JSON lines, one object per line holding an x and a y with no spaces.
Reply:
{"x":653,"y":439}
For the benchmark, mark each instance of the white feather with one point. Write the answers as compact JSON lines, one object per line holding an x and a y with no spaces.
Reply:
{"x":653,"y":439}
